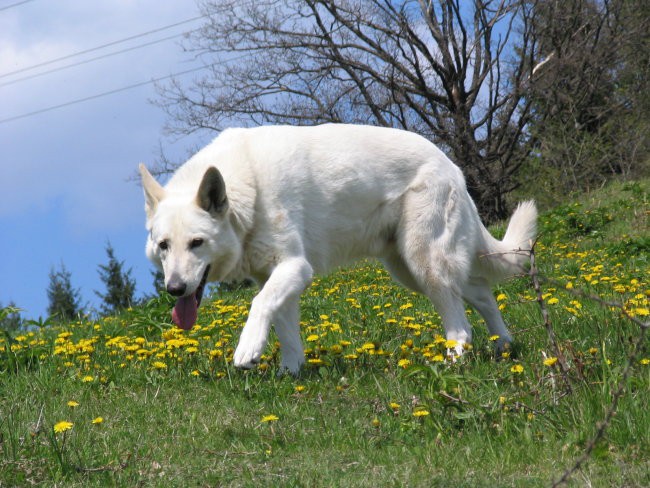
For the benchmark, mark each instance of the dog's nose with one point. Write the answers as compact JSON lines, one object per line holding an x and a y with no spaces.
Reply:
{"x":176,"y":288}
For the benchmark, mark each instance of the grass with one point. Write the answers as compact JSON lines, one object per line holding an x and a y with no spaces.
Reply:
{"x":378,"y":404}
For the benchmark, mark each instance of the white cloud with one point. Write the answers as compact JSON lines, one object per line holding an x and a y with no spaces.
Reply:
{"x":82,"y":154}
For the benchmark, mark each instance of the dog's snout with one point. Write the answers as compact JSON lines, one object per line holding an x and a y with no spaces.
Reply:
{"x":176,"y":288}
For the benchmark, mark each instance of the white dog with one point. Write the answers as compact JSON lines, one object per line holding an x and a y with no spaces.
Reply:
{"x":278,"y":204}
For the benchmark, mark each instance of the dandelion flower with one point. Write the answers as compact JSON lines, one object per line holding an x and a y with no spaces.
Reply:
{"x":501,"y":297}
{"x":394,"y":406}
{"x":299,"y":388}
{"x":421,"y":412}
{"x":404,"y":363}
{"x":550,"y":361}
{"x":450,"y":344}
{"x":270,"y":418}
{"x":645,"y":361}
{"x":72,"y":404}
{"x":313,"y":338}
{"x":494,"y":337}
{"x":159,"y":365}
{"x":88,"y":379}
{"x":97,"y":420}
{"x":517,"y":369}
{"x":62,"y":426}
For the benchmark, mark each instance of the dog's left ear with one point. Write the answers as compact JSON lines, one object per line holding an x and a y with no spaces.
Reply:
{"x":212,"y":192}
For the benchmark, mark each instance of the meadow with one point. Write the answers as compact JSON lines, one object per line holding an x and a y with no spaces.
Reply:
{"x":130,"y":400}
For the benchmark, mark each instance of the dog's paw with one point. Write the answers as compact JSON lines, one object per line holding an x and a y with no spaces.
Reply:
{"x":246,"y":357}
{"x":250,"y":348}
{"x":291,"y":363}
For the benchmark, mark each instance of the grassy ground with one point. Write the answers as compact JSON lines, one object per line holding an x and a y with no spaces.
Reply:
{"x":131,"y":401}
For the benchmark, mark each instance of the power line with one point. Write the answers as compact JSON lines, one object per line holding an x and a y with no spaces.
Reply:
{"x":86,"y":51}
{"x":79,"y":63}
{"x":15,"y":5}
{"x":99,"y":95}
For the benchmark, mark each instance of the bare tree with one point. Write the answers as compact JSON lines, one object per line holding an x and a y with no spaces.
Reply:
{"x":454,"y":71}
{"x":591,"y":103}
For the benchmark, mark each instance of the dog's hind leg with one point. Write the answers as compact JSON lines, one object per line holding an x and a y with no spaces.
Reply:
{"x":399,"y":270}
{"x":279,"y":294}
{"x":435,"y":240}
{"x":478,"y":294}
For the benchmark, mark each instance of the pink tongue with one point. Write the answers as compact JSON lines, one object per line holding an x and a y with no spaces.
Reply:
{"x":185,"y":312}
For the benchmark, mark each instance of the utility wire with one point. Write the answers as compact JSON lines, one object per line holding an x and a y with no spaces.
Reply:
{"x":86,"y":51}
{"x":79,"y":63}
{"x":14,"y":5}
{"x":99,"y":95}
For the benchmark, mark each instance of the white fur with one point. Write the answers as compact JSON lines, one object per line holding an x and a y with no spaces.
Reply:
{"x":302,"y":200}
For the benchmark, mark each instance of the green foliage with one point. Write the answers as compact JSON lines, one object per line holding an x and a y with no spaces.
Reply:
{"x":120,"y":286}
{"x":64,"y":300}
{"x":379,"y":401}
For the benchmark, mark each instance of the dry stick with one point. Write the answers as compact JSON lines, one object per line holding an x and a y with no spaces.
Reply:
{"x":602,"y":427}
{"x":564,"y":367}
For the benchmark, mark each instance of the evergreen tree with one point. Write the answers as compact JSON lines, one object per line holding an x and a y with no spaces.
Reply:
{"x":65,"y":302}
{"x":158,"y":281}
{"x":10,"y":319}
{"x":120,"y":286}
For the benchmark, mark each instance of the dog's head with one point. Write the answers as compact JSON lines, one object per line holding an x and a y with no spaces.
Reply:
{"x":190,"y":238}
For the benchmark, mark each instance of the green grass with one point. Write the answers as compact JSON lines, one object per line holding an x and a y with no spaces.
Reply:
{"x":176,"y":413}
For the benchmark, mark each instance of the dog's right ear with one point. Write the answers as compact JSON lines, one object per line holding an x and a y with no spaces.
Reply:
{"x":153,"y":191}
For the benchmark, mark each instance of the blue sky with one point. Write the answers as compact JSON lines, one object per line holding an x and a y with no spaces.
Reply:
{"x":64,"y":174}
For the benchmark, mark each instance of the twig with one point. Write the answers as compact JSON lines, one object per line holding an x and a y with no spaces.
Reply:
{"x":534,"y":273}
{"x":602,"y":427}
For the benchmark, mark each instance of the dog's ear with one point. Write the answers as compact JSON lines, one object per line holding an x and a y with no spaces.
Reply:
{"x":153,"y":192}
{"x":212,"y":192}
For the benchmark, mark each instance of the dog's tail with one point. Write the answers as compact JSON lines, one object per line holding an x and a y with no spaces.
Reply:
{"x":508,"y":257}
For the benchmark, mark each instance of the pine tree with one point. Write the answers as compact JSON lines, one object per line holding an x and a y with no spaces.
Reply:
{"x":120,"y":286}
{"x":65,"y":302}
{"x":10,"y":319}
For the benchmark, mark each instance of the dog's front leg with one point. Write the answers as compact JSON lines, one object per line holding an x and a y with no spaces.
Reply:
{"x":279,"y":295}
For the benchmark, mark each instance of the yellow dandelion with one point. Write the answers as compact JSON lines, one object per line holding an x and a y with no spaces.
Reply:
{"x":450,"y":344}
{"x":97,"y":420}
{"x":375,"y":422}
{"x":313,"y":338}
{"x":88,"y":379}
{"x":501,"y":297}
{"x":438,"y":358}
{"x":270,"y":418}
{"x":394,"y":406}
{"x":73,"y":404}
{"x":645,"y":361}
{"x":299,"y":388}
{"x":494,"y":337}
{"x":404,"y":363}
{"x":553,"y":301}
{"x":159,"y":365}
{"x":421,"y":412}
{"x":62,"y":426}
{"x":550,"y":361}
{"x":195,"y":373}
{"x":517,"y":369}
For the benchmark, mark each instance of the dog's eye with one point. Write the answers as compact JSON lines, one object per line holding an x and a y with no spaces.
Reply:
{"x":163,"y":245}
{"x":198,"y":242}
